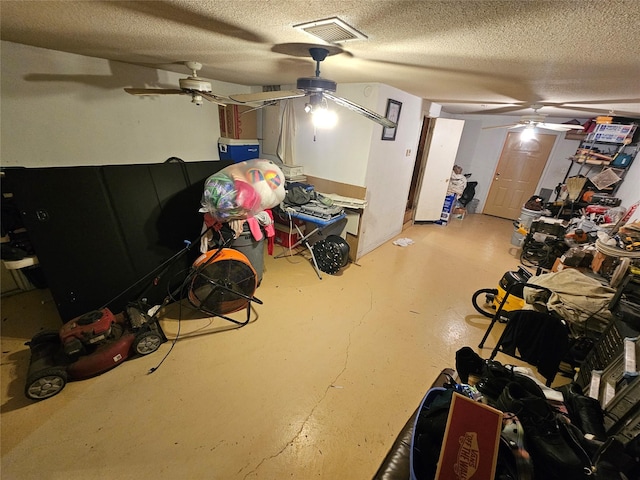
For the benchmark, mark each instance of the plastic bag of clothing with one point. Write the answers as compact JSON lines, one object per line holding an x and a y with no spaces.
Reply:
{"x":243,"y":189}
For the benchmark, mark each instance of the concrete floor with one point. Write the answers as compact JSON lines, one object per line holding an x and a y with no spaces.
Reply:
{"x":317,"y":386}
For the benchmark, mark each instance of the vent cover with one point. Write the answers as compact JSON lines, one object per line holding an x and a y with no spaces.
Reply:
{"x":332,"y":30}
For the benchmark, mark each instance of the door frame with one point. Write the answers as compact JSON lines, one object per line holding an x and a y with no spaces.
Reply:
{"x":418,"y":168}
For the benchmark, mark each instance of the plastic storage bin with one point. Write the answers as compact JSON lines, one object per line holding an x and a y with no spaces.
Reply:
{"x":238,"y":150}
{"x":472,"y":206}
{"x":526,"y":219}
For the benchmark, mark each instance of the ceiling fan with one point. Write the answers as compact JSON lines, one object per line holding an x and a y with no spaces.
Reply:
{"x":537,"y":120}
{"x":592,"y":107}
{"x":197,"y":87}
{"x":316,"y":88}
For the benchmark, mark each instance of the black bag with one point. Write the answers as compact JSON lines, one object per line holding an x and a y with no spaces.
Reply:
{"x":298,"y":195}
{"x":468,"y":193}
{"x":514,"y":462}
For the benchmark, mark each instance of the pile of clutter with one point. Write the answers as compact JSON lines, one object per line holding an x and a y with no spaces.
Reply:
{"x":597,"y":240}
{"x":555,"y":432}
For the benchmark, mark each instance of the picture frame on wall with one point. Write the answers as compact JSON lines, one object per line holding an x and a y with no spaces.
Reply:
{"x":393,"y":114}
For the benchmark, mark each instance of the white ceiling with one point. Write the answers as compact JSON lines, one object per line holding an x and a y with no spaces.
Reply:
{"x":471,"y":56}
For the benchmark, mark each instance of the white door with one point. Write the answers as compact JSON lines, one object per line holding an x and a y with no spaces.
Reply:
{"x":440,"y":155}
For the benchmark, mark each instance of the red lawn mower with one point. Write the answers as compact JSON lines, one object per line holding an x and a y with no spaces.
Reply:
{"x":87,"y":346}
{"x":220,"y":282}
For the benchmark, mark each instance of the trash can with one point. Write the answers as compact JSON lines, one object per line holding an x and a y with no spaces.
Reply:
{"x":252,"y":249}
{"x":527,"y":217}
{"x":472,"y":206}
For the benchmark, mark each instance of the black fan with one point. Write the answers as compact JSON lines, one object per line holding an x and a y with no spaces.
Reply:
{"x":224,"y":282}
{"x":331,"y":254}
{"x":316,"y":88}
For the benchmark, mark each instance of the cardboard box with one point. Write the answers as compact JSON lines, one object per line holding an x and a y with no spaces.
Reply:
{"x":459,"y":213}
{"x":558,"y":266}
{"x":237,"y":122}
{"x":471,"y":440}
{"x":603,"y":264}
{"x":449,"y":200}
{"x":292,"y":170}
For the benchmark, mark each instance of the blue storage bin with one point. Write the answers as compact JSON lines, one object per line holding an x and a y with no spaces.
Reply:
{"x":238,"y":150}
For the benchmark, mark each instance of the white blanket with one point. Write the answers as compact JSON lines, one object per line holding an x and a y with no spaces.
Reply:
{"x":576,"y":297}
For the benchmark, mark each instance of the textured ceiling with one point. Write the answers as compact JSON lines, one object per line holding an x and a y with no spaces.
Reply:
{"x":578,"y":58}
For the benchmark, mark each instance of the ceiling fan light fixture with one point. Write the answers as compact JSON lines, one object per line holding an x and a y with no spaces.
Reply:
{"x":529,"y":133}
{"x":321,"y":116}
{"x":316,"y":88}
{"x":324,"y":118}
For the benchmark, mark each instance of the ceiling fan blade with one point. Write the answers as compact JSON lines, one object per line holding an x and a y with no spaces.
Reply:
{"x":508,"y":109}
{"x":213,"y":98}
{"x":559,"y":127}
{"x":154,"y":91}
{"x":370,"y":114}
{"x":603,"y":102}
{"x":602,"y":111}
{"x":266,"y":96}
{"x":513,"y":125}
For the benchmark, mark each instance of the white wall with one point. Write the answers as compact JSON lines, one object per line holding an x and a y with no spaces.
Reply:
{"x":64,"y":109}
{"x":60,"y":109}
{"x":354,"y":153}
{"x":390,"y":169}
{"x":480,"y":150}
{"x":629,"y":191}
{"x":340,"y":153}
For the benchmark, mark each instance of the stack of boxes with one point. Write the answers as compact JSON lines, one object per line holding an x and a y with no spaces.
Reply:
{"x":294,"y":173}
{"x":238,"y":133}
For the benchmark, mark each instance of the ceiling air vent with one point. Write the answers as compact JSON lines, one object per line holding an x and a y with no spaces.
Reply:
{"x":332,"y":30}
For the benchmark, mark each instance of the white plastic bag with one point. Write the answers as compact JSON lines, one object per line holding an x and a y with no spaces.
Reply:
{"x":243,"y":189}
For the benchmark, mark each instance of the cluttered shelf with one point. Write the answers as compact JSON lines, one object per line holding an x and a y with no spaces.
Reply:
{"x":606,"y":151}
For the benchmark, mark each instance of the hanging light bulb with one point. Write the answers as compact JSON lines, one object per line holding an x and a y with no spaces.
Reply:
{"x":529,"y":133}
{"x":322,"y":117}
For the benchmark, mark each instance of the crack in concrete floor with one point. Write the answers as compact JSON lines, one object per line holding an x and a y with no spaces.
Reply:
{"x":331,"y":385}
